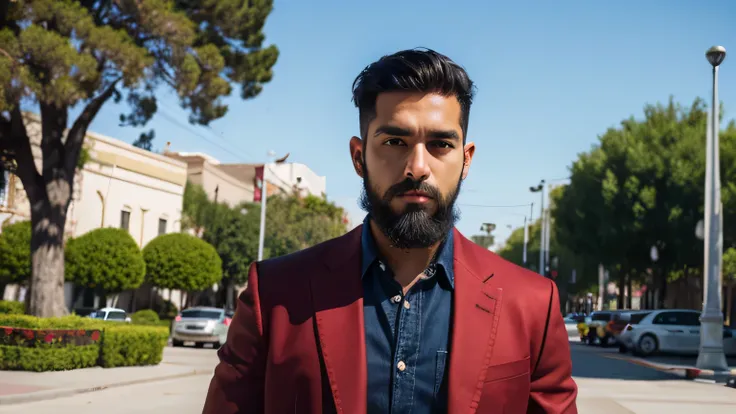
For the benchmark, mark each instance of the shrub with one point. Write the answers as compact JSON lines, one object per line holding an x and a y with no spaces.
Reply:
{"x":10,"y":307}
{"x":15,"y":252}
{"x":107,"y":259}
{"x":182,"y":261}
{"x":145,"y":317}
{"x":45,"y":350}
{"x":120,"y":344}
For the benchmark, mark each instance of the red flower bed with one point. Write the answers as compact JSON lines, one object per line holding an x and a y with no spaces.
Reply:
{"x":60,"y":337}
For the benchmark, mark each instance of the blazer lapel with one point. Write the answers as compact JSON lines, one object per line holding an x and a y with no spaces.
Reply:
{"x":337,"y":295}
{"x":477,"y":308}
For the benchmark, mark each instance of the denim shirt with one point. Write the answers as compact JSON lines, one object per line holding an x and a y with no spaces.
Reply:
{"x":407,"y":337}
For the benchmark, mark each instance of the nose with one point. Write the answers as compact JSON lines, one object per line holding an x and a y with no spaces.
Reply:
{"x":417,"y":167}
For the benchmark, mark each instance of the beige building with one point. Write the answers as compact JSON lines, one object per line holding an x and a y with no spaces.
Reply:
{"x":120,"y":186}
{"x":236,"y":183}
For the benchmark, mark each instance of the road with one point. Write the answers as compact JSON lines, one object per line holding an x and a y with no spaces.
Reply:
{"x":608,"y":385}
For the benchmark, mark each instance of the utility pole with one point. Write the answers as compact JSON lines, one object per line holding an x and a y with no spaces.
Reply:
{"x":711,"y":355}
{"x":537,"y":189}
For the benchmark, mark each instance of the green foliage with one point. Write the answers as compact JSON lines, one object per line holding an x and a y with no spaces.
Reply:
{"x":729,"y":264}
{"x":107,"y":259}
{"x":196,"y":210}
{"x":11,"y":307}
{"x":65,"y":51}
{"x":642,"y":186}
{"x":15,"y":252}
{"x":235,"y":237}
{"x":145,"y":317}
{"x":20,"y":358}
{"x":181,"y":261}
{"x":121,"y":344}
{"x":294,"y":223}
{"x":145,"y":140}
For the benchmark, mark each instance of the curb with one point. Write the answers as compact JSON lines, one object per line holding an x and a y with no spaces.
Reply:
{"x":66,"y":392}
{"x":687,"y":371}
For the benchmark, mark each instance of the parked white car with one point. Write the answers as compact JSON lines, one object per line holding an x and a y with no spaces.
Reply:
{"x":201,"y":325}
{"x":669,"y":330}
{"x":110,"y":314}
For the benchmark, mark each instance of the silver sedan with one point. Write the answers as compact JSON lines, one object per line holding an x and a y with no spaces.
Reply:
{"x":201,"y":325}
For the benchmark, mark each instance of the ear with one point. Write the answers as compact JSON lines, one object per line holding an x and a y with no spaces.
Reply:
{"x":356,"y":155}
{"x":468,"y":152}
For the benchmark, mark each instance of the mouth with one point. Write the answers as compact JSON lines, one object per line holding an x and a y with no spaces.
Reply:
{"x":415,"y":197}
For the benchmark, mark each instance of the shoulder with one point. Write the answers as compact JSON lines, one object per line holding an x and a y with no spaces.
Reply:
{"x":296,"y":266}
{"x":518,"y":283}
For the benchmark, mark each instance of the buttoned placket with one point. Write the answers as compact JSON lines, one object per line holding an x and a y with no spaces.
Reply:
{"x":408,"y":332}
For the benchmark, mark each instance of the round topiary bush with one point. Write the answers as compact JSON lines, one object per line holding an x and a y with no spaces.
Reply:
{"x":107,"y":259}
{"x":145,"y":317}
{"x":181,"y":261}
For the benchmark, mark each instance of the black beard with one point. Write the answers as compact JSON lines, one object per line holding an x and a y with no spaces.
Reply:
{"x":414,"y":227}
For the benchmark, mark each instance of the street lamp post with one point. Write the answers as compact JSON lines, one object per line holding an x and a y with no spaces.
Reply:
{"x":264,"y":196}
{"x":711,"y":354}
{"x":536,"y":189}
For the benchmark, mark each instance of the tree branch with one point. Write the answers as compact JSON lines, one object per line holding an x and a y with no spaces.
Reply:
{"x":20,"y":145}
{"x":75,"y":137}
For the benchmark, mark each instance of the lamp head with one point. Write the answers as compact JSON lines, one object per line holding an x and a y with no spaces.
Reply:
{"x":715,"y":55}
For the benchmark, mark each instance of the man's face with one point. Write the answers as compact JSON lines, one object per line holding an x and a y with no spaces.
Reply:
{"x":412,"y":161}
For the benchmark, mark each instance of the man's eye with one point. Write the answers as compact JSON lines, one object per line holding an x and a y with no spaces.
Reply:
{"x":442,"y":144}
{"x":393,"y":142}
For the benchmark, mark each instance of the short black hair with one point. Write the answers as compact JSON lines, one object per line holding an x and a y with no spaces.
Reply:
{"x":419,"y":70}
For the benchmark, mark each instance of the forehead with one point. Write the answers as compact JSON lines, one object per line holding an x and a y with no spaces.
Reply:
{"x":417,"y":110}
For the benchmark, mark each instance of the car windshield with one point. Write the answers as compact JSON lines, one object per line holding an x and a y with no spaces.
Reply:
{"x":116,"y":316}
{"x":201,"y":314}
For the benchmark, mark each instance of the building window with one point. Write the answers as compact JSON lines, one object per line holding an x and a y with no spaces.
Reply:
{"x":125,"y":220}
{"x":161,"y":226}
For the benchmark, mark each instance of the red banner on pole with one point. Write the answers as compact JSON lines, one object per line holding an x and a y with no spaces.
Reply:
{"x":258,"y":186}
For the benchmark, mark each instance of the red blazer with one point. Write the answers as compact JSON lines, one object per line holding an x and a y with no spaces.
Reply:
{"x":297,"y":343}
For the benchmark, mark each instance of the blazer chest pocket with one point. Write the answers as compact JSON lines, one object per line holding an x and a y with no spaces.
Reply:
{"x":508,"y":370}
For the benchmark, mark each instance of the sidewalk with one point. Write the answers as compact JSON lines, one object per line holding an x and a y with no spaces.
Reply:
{"x":21,"y":386}
{"x":686,"y":371}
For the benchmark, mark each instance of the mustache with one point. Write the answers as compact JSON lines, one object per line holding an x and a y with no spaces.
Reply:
{"x":412,"y":185}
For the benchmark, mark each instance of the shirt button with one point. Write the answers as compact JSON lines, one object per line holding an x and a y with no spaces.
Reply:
{"x":407,"y":305}
{"x":401,"y":366}
{"x":396,"y":299}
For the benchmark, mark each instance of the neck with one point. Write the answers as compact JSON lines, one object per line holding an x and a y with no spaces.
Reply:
{"x":407,"y":264}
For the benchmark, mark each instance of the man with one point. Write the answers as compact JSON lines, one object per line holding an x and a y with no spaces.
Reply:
{"x":402,"y":314}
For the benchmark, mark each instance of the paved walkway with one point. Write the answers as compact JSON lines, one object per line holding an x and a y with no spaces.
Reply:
{"x":21,"y":386}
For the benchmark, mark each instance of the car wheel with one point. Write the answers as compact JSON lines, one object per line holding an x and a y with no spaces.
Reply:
{"x":592,"y":336}
{"x":177,"y":343}
{"x":647,"y":345}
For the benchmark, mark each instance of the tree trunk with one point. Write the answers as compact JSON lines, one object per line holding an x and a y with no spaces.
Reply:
{"x":45,"y":296}
{"x":629,"y":292}
{"x":620,"y":303}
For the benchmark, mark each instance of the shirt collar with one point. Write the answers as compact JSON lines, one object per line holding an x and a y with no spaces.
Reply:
{"x":443,"y":258}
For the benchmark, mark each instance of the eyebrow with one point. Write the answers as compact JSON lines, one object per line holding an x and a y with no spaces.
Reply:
{"x":403,"y":132}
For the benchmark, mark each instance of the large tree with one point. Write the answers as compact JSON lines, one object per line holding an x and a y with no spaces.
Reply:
{"x":642,"y":185}
{"x":57,"y":54}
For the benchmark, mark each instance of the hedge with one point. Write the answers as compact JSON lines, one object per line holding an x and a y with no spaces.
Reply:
{"x":12,"y":307}
{"x":119,"y":344}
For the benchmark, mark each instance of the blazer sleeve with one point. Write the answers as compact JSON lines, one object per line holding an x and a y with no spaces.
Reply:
{"x":238,"y":382}
{"x":553,"y":391}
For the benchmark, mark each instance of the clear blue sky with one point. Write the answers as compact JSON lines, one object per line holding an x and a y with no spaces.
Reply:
{"x":551,"y":77}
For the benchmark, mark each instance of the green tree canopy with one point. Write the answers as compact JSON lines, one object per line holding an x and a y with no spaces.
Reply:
{"x":106,"y":259}
{"x":642,"y":186}
{"x":15,"y":253}
{"x":181,"y":261}
{"x":234,"y":234}
{"x":294,"y":223}
{"x":58,"y":54}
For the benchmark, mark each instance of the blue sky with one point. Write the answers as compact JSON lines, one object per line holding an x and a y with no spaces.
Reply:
{"x":551,"y":77}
